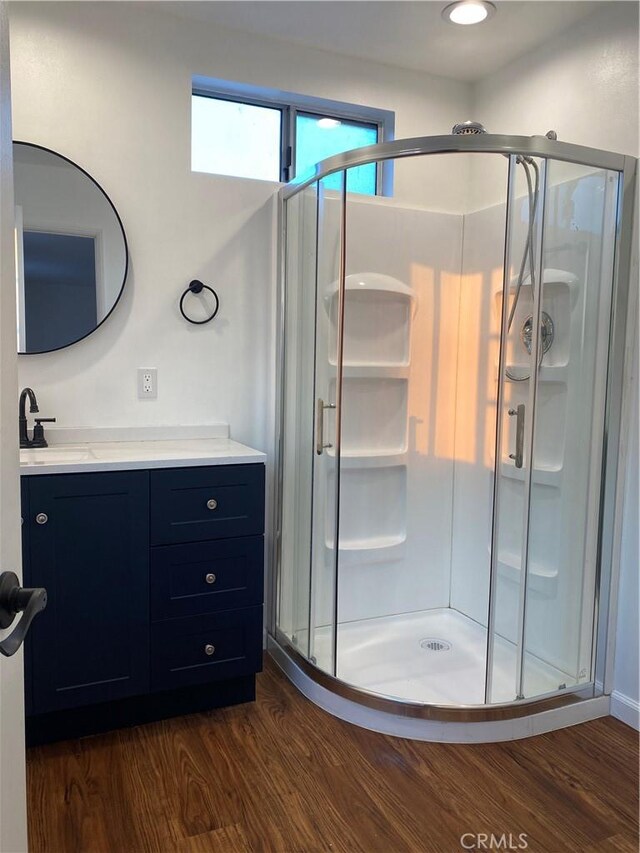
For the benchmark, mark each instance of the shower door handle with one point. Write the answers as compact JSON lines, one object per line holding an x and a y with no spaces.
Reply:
{"x":518,"y":455}
{"x":320,"y":407}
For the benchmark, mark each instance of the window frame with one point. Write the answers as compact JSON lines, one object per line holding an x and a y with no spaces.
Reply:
{"x":290,"y":104}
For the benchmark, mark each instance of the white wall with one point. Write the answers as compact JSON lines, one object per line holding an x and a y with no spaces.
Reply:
{"x":584,"y":85}
{"x":110,"y":88}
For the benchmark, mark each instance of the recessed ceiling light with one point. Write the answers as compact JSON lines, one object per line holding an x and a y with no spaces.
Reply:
{"x":328,"y":122}
{"x":467,"y":12}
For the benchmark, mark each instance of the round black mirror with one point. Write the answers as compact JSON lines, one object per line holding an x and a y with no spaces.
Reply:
{"x":71,"y":250}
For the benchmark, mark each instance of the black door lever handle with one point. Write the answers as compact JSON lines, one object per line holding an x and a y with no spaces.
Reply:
{"x":15,"y":599}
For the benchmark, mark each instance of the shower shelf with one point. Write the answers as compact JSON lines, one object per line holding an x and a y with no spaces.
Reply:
{"x":378,"y":311}
{"x":544,"y":476}
{"x":375,"y":549}
{"x":547,"y":372}
{"x":540,"y":578}
{"x":370,"y":458}
{"x":552,"y":278}
{"x":372,"y":543}
{"x":374,"y":282}
{"x":372,"y":370}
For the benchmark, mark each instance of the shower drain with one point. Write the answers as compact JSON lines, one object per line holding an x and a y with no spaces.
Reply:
{"x":431,"y":644}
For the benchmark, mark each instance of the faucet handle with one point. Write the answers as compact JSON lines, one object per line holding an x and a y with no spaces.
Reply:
{"x":38,"y":432}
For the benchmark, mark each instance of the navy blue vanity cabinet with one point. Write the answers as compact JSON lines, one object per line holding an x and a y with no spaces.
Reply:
{"x":87,"y":541}
{"x":155,"y":585}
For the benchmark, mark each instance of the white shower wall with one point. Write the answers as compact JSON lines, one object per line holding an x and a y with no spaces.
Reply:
{"x":396,"y":478}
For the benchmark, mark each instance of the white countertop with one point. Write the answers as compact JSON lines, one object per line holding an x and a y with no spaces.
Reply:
{"x":89,"y":456}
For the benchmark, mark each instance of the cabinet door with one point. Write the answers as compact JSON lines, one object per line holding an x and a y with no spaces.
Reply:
{"x":91,"y":644}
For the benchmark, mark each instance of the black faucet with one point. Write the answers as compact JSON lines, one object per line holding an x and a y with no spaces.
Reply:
{"x":38,"y":439}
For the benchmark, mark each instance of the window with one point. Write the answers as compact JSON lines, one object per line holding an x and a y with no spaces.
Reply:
{"x":231,"y":138}
{"x":318,"y":137}
{"x":252,"y":132}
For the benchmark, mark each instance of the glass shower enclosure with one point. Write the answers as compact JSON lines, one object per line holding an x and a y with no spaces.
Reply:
{"x":449,"y":396}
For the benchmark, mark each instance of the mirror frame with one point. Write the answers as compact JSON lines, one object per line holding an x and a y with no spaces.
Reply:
{"x":124,"y":238}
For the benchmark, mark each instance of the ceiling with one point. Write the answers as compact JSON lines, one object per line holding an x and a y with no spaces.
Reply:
{"x":407,"y":34}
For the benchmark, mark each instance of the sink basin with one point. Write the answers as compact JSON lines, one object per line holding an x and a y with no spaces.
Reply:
{"x":54,"y":455}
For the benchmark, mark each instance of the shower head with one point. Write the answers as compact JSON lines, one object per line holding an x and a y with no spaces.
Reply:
{"x":468,"y":128}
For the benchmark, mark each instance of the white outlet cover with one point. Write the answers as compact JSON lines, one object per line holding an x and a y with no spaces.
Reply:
{"x":147,"y":383}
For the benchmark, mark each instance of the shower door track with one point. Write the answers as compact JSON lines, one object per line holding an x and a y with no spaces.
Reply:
{"x":447,"y":723}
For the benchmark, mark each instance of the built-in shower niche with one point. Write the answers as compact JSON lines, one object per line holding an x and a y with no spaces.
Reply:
{"x":559,"y":296}
{"x":377,"y":321}
{"x":374,"y":416}
{"x":373,"y":510}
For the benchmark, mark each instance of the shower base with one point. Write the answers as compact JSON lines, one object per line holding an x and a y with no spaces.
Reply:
{"x":387,"y":655}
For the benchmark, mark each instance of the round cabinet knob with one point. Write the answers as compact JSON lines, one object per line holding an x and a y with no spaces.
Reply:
{"x":209,"y":649}
{"x":42,"y":518}
{"x":210,"y":577}
{"x":212,"y":503}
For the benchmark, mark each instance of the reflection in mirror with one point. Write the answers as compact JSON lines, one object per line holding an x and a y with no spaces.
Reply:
{"x":71,"y":251}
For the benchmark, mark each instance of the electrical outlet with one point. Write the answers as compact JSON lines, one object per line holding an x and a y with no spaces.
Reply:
{"x":147,"y":383}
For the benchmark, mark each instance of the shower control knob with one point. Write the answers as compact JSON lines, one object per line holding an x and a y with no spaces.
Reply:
{"x":212,"y":503}
{"x":210,"y":577}
{"x":209,"y":649}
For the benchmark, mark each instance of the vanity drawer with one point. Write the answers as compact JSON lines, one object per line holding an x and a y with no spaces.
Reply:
{"x":194,"y":504}
{"x":199,"y":649}
{"x":203,"y":577}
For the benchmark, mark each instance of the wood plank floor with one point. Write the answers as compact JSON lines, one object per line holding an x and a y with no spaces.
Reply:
{"x":282,"y":775}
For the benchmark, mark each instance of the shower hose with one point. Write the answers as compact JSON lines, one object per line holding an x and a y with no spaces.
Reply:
{"x":533,"y":189}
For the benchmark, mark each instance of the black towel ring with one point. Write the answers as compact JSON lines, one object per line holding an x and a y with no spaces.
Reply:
{"x":196,"y":286}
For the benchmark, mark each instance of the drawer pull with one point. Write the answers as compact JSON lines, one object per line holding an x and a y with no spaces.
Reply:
{"x":210,"y":577}
{"x":209,"y":649}
{"x":42,"y":518}
{"x":212,"y":503}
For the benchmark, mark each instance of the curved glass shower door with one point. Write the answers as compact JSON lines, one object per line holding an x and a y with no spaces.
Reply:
{"x":312,"y":362}
{"x":554,"y":383}
{"x":300,"y":218}
{"x":327,"y":422}
{"x":421,"y":334}
{"x":521,"y":357}
{"x":443,"y":394}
